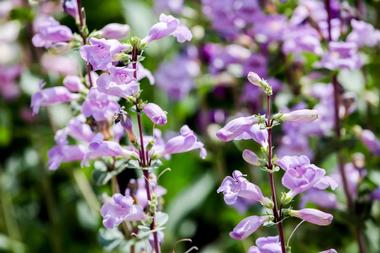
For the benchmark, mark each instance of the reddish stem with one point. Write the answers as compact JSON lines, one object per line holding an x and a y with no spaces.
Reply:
{"x":277,"y":215}
{"x":144,"y":158}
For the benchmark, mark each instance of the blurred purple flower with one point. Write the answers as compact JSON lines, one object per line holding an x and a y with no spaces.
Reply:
{"x":155,"y":114}
{"x":363,"y":34}
{"x":65,"y":153}
{"x":320,"y":198}
{"x":115,"y":31}
{"x":314,"y":216}
{"x":269,"y":28}
{"x":369,"y":139}
{"x":120,"y":208}
{"x":238,"y":187}
{"x":302,"y":39}
{"x":139,"y":191}
{"x":8,"y":87}
{"x":73,"y":83}
{"x":341,"y":55}
{"x":99,"y":105}
{"x":176,"y":76}
{"x":353,"y":180}
{"x":78,"y":129}
{"x":49,"y":32}
{"x":185,"y":142}
{"x":248,"y":226}
{"x":270,"y":244}
{"x":376,"y":194}
{"x":162,"y":6}
{"x":167,"y":26}
{"x":70,"y":7}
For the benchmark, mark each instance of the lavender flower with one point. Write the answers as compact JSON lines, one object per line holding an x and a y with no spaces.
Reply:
{"x":99,"y":105}
{"x":301,"y":116}
{"x":313,"y":216}
{"x":329,"y":251}
{"x":115,"y":31}
{"x":8,"y":87}
{"x":185,"y":142}
{"x":100,"y":52}
{"x":250,"y":157}
{"x":300,"y":175}
{"x":248,"y":226}
{"x":161,"y":6}
{"x":119,"y":82}
{"x":78,"y":129}
{"x":302,"y":39}
{"x":376,"y":194}
{"x":369,"y":139}
{"x":73,"y":83}
{"x":341,"y":55}
{"x":236,"y":127}
{"x":168,"y":25}
{"x":120,"y":208}
{"x":270,"y":244}
{"x":320,"y":198}
{"x":70,"y":7}
{"x":363,"y":34}
{"x":155,"y":114}
{"x":140,"y":192}
{"x":51,"y":96}
{"x":50,"y":33}
{"x":65,"y":153}
{"x":238,"y":187}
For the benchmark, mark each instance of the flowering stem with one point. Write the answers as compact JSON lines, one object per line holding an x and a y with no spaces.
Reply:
{"x":337,"y":128}
{"x":143,"y":158}
{"x":82,"y":26}
{"x":276,"y":214}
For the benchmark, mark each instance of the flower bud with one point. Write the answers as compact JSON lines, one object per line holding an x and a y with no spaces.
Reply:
{"x":313,"y":216}
{"x":250,"y":157}
{"x":304,"y":115}
{"x":286,"y":198}
{"x":256,"y":80}
{"x":115,"y":31}
{"x":248,"y":226}
{"x":73,"y":83}
{"x":155,"y":113}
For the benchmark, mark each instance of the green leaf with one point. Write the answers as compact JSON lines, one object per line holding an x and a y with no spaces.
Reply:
{"x":110,"y":239}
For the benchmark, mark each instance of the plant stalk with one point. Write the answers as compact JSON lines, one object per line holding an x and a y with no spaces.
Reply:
{"x":276,"y":213}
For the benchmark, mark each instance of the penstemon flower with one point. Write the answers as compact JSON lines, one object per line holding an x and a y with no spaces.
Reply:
{"x":299,"y":176}
{"x":104,"y":102}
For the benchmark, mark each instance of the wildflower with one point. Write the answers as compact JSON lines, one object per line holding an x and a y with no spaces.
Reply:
{"x":236,"y":127}
{"x":313,"y":216}
{"x":155,"y":114}
{"x":115,"y":31}
{"x":250,"y":157}
{"x":248,"y":226}
{"x":303,"y":115}
{"x":270,"y":244}
{"x":73,"y":83}
{"x":50,"y":33}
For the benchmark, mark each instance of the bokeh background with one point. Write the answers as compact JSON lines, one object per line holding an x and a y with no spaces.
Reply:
{"x":43,"y":211}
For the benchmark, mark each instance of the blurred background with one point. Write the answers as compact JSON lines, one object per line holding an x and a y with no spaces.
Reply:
{"x":43,"y":211}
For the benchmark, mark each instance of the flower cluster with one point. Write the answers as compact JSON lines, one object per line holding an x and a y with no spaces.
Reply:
{"x":299,"y":175}
{"x":103,"y":134}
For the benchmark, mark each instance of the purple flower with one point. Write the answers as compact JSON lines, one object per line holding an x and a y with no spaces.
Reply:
{"x":353,"y":180}
{"x":250,"y":157}
{"x":301,"y":116}
{"x":237,"y":187}
{"x":255,"y":133}
{"x":119,"y":82}
{"x":168,"y":25}
{"x":70,"y":7}
{"x":140,"y":192}
{"x":120,"y":208}
{"x":115,"y":31}
{"x":270,"y":244}
{"x":363,"y":34}
{"x":320,"y":198}
{"x":313,"y":216}
{"x":376,"y":194}
{"x":341,"y":55}
{"x":302,"y":39}
{"x":269,"y":28}
{"x":99,"y":105}
{"x":8,"y":87}
{"x":369,"y":139}
{"x":65,"y":153}
{"x":78,"y":129}
{"x":161,"y":6}
{"x":100,"y":52}
{"x":155,"y":114}
{"x":236,"y":127}
{"x":50,"y":96}
{"x":248,"y":226}
{"x":100,"y":148}
{"x":300,"y":175}
{"x":49,"y":32}
{"x":73,"y":83}
{"x":185,"y":70}
{"x":185,"y":142}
